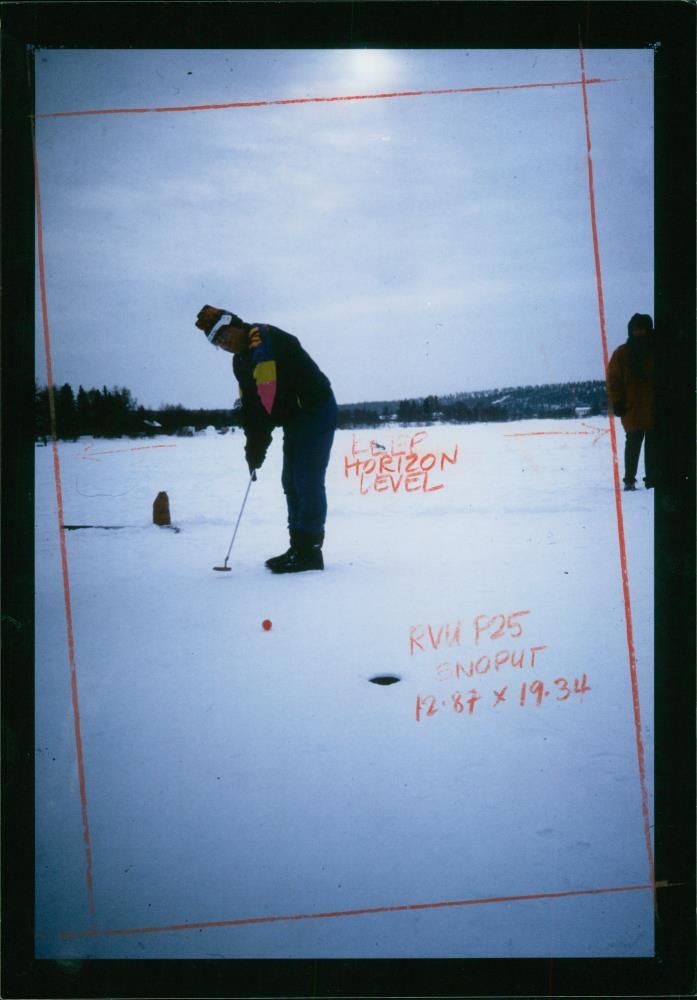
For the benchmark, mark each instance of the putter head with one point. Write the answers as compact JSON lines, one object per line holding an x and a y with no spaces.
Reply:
{"x":222,"y":569}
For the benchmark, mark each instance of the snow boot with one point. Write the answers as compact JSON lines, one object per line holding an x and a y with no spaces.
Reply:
{"x":304,"y":553}
{"x":630,"y":487}
{"x":275,"y":561}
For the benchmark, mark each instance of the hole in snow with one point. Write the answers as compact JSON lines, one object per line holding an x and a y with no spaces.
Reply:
{"x":385,"y":679}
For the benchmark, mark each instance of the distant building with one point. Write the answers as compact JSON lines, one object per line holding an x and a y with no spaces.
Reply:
{"x":583,"y":411}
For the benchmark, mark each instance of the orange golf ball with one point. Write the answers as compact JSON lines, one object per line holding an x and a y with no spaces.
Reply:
{"x":266,"y":624}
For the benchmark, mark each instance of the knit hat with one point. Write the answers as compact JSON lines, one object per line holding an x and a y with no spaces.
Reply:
{"x":639,"y":320}
{"x":210,"y":319}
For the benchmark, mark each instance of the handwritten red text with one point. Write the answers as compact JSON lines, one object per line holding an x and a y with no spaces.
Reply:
{"x":402,"y":466}
{"x":519,"y":659}
{"x":423,"y":638}
{"x":529,"y":695}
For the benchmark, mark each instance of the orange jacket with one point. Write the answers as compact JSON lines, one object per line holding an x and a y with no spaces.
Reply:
{"x":632,"y":393}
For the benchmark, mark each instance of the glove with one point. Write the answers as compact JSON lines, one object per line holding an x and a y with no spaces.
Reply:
{"x":619,"y":409}
{"x":254,"y":453}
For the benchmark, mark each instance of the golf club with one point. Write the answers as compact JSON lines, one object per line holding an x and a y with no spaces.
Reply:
{"x":225,"y":568}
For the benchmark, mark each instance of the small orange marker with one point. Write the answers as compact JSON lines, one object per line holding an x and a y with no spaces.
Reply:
{"x":266,"y":625}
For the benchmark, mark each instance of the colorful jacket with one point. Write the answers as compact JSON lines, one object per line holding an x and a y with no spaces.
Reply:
{"x":631,"y":388}
{"x":278,"y":380}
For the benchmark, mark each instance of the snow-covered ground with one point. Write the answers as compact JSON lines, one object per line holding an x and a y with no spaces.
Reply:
{"x":234,"y":774}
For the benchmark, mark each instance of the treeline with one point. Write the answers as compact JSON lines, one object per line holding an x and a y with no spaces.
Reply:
{"x":518,"y":403}
{"x":102,"y":413}
{"x":115,"y":413}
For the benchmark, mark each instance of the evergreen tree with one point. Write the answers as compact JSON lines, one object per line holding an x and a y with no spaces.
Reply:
{"x":66,"y":413}
{"x":84,"y":414}
{"x":42,"y":412}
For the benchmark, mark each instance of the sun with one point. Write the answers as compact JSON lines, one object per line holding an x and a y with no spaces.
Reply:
{"x":372,"y":67}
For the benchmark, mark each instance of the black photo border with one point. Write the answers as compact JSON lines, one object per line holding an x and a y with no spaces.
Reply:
{"x":666,"y":25}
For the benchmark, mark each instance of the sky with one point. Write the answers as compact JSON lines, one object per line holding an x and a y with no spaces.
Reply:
{"x":416,"y":245}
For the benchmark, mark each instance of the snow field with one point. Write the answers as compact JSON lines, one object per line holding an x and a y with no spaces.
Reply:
{"x":233,"y":773}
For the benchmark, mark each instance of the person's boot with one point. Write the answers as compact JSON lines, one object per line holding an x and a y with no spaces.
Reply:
{"x":276,"y":561}
{"x":304,"y":554}
{"x":630,"y":487}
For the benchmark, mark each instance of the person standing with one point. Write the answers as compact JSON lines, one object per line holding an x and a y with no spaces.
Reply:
{"x":281,"y":386}
{"x":631,"y":390}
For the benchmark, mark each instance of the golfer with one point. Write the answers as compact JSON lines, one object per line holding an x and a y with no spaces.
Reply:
{"x":281,"y":386}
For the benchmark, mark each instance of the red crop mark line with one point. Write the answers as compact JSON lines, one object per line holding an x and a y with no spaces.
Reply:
{"x":618,"y":496}
{"x":584,"y":83}
{"x":597,"y":431}
{"x":117,"y":451}
{"x":322,"y":100}
{"x":367,"y":911}
{"x":63,"y":549}
{"x":532,"y":434}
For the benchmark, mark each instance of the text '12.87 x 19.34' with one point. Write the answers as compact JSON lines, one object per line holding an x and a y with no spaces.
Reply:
{"x":532,"y":694}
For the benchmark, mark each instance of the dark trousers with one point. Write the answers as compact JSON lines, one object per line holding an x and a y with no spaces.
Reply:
{"x":632,"y":450}
{"x":307,"y":443}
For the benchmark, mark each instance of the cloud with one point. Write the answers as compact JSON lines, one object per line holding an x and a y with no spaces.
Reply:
{"x":359,"y":224}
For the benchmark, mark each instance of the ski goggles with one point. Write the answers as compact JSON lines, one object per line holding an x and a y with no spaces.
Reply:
{"x":224,"y":320}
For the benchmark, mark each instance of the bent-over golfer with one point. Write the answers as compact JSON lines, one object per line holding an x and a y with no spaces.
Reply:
{"x":281,"y":386}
